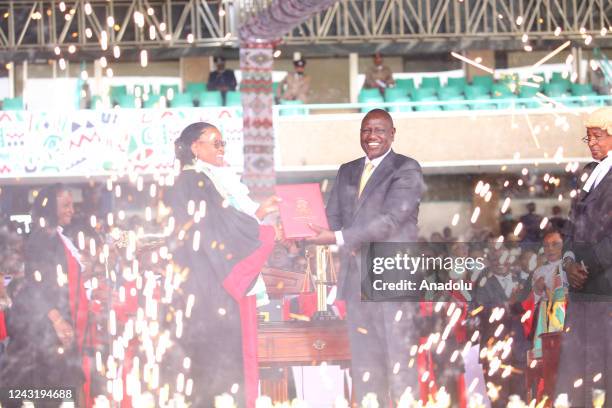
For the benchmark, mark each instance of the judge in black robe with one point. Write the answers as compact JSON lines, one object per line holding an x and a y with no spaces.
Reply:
{"x":223,"y":247}
{"x":586,"y":347}
{"x":48,"y":319}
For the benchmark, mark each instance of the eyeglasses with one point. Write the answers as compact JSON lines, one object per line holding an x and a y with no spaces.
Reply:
{"x":597,"y":138}
{"x":375,"y":131}
{"x":217,"y":143}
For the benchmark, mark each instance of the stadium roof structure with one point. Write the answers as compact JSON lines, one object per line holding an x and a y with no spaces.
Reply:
{"x":88,"y":29}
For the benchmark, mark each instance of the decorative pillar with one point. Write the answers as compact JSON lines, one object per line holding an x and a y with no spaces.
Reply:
{"x":256,"y":62}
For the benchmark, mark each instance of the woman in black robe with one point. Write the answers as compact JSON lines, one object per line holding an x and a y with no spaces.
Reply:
{"x":222,"y":247}
{"x":48,"y":319}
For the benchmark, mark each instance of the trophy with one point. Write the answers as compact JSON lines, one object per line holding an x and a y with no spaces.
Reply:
{"x":325,"y":264}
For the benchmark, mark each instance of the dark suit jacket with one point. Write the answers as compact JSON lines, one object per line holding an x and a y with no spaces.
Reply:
{"x":589,"y":235}
{"x":386,"y":211}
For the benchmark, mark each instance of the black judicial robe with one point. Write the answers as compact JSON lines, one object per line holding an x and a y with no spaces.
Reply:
{"x":586,"y":348}
{"x":32,"y":358}
{"x":212,"y":336}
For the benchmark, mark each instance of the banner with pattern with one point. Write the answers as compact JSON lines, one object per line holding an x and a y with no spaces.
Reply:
{"x":98,"y":143}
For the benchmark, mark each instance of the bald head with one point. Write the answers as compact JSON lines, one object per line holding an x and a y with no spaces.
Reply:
{"x":378,"y":113}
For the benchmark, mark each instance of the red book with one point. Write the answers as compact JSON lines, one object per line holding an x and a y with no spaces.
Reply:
{"x":301,"y":204}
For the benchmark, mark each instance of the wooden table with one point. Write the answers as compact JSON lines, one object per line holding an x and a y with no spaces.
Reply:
{"x":283,"y":344}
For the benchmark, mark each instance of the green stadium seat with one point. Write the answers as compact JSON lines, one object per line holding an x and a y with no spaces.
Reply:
{"x":12,"y":104}
{"x":557,"y":76}
{"x":480,"y":103}
{"x":294,"y":110}
{"x":126,"y":101}
{"x":450,"y":91}
{"x":475,"y":92}
{"x":529,"y":92}
{"x":152,"y":101}
{"x":486,"y":81}
{"x":556,"y":89}
{"x":233,"y":98}
{"x":210,"y":98}
{"x":459,"y":82}
{"x":430,"y":82}
{"x":582,"y":89}
{"x":182,"y":100}
{"x":398,"y":99}
{"x":506,"y":100}
{"x":368,"y":93}
{"x":391,"y":94}
{"x":427,"y":107}
{"x":454,"y":106}
{"x":163,"y":90}
{"x":117,"y":91}
{"x":405,"y":83}
{"x":274,"y":88}
{"x":419,"y":93}
{"x":195,"y":88}
{"x":501,"y":89}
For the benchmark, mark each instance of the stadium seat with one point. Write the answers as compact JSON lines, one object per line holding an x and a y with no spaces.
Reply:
{"x":556,"y":89}
{"x":407,"y":108}
{"x":195,"y":88}
{"x":450,"y":91}
{"x":582,"y":89}
{"x":210,"y":98}
{"x":391,"y":94}
{"x":529,"y":92}
{"x":427,"y":107}
{"x":485,"y":81}
{"x":12,"y":104}
{"x":501,"y":89}
{"x":182,"y":100}
{"x":506,"y":100}
{"x":117,"y":91}
{"x":233,"y":98}
{"x":367,"y":93}
{"x":454,"y":106}
{"x":475,"y":92}
{"x":479,"y":103}
{"x":459,"y":82}
{"x":557,"y":76}
{"x":430,"y":82}
{"x":293,"y":110}
{"x":405,"y":83}
{"x":152,"y":101}
{"x":126,"y":101}
{"x":163,"y":90}
{"x":419,"y":93}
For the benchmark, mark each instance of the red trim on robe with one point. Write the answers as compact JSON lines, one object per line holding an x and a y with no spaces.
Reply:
{"x":237,"y":284}
{"x":425,"y":363}
{"x":79,"y":311}
{"x":529,"y":304}
{"x":3,"y":334}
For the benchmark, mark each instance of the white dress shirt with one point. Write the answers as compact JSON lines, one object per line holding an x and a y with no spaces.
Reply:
{"x":598,"y":173}
{"x":375,"y":162}
{"x":547,"y":271}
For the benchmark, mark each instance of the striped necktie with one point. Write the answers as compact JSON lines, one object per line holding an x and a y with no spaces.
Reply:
{"x":365,"y":176}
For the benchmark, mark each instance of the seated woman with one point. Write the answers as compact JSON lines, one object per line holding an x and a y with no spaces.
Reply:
{"x":222,"y":247}
{"x":48,"y":320}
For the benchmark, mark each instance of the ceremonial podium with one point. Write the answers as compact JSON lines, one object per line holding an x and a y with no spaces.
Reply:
{"x":283,"y":344}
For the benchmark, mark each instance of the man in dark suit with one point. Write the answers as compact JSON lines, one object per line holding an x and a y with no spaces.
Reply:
{"x":375,"y":199}
{"x":222,"y":79}
{"x":586,"y":348}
